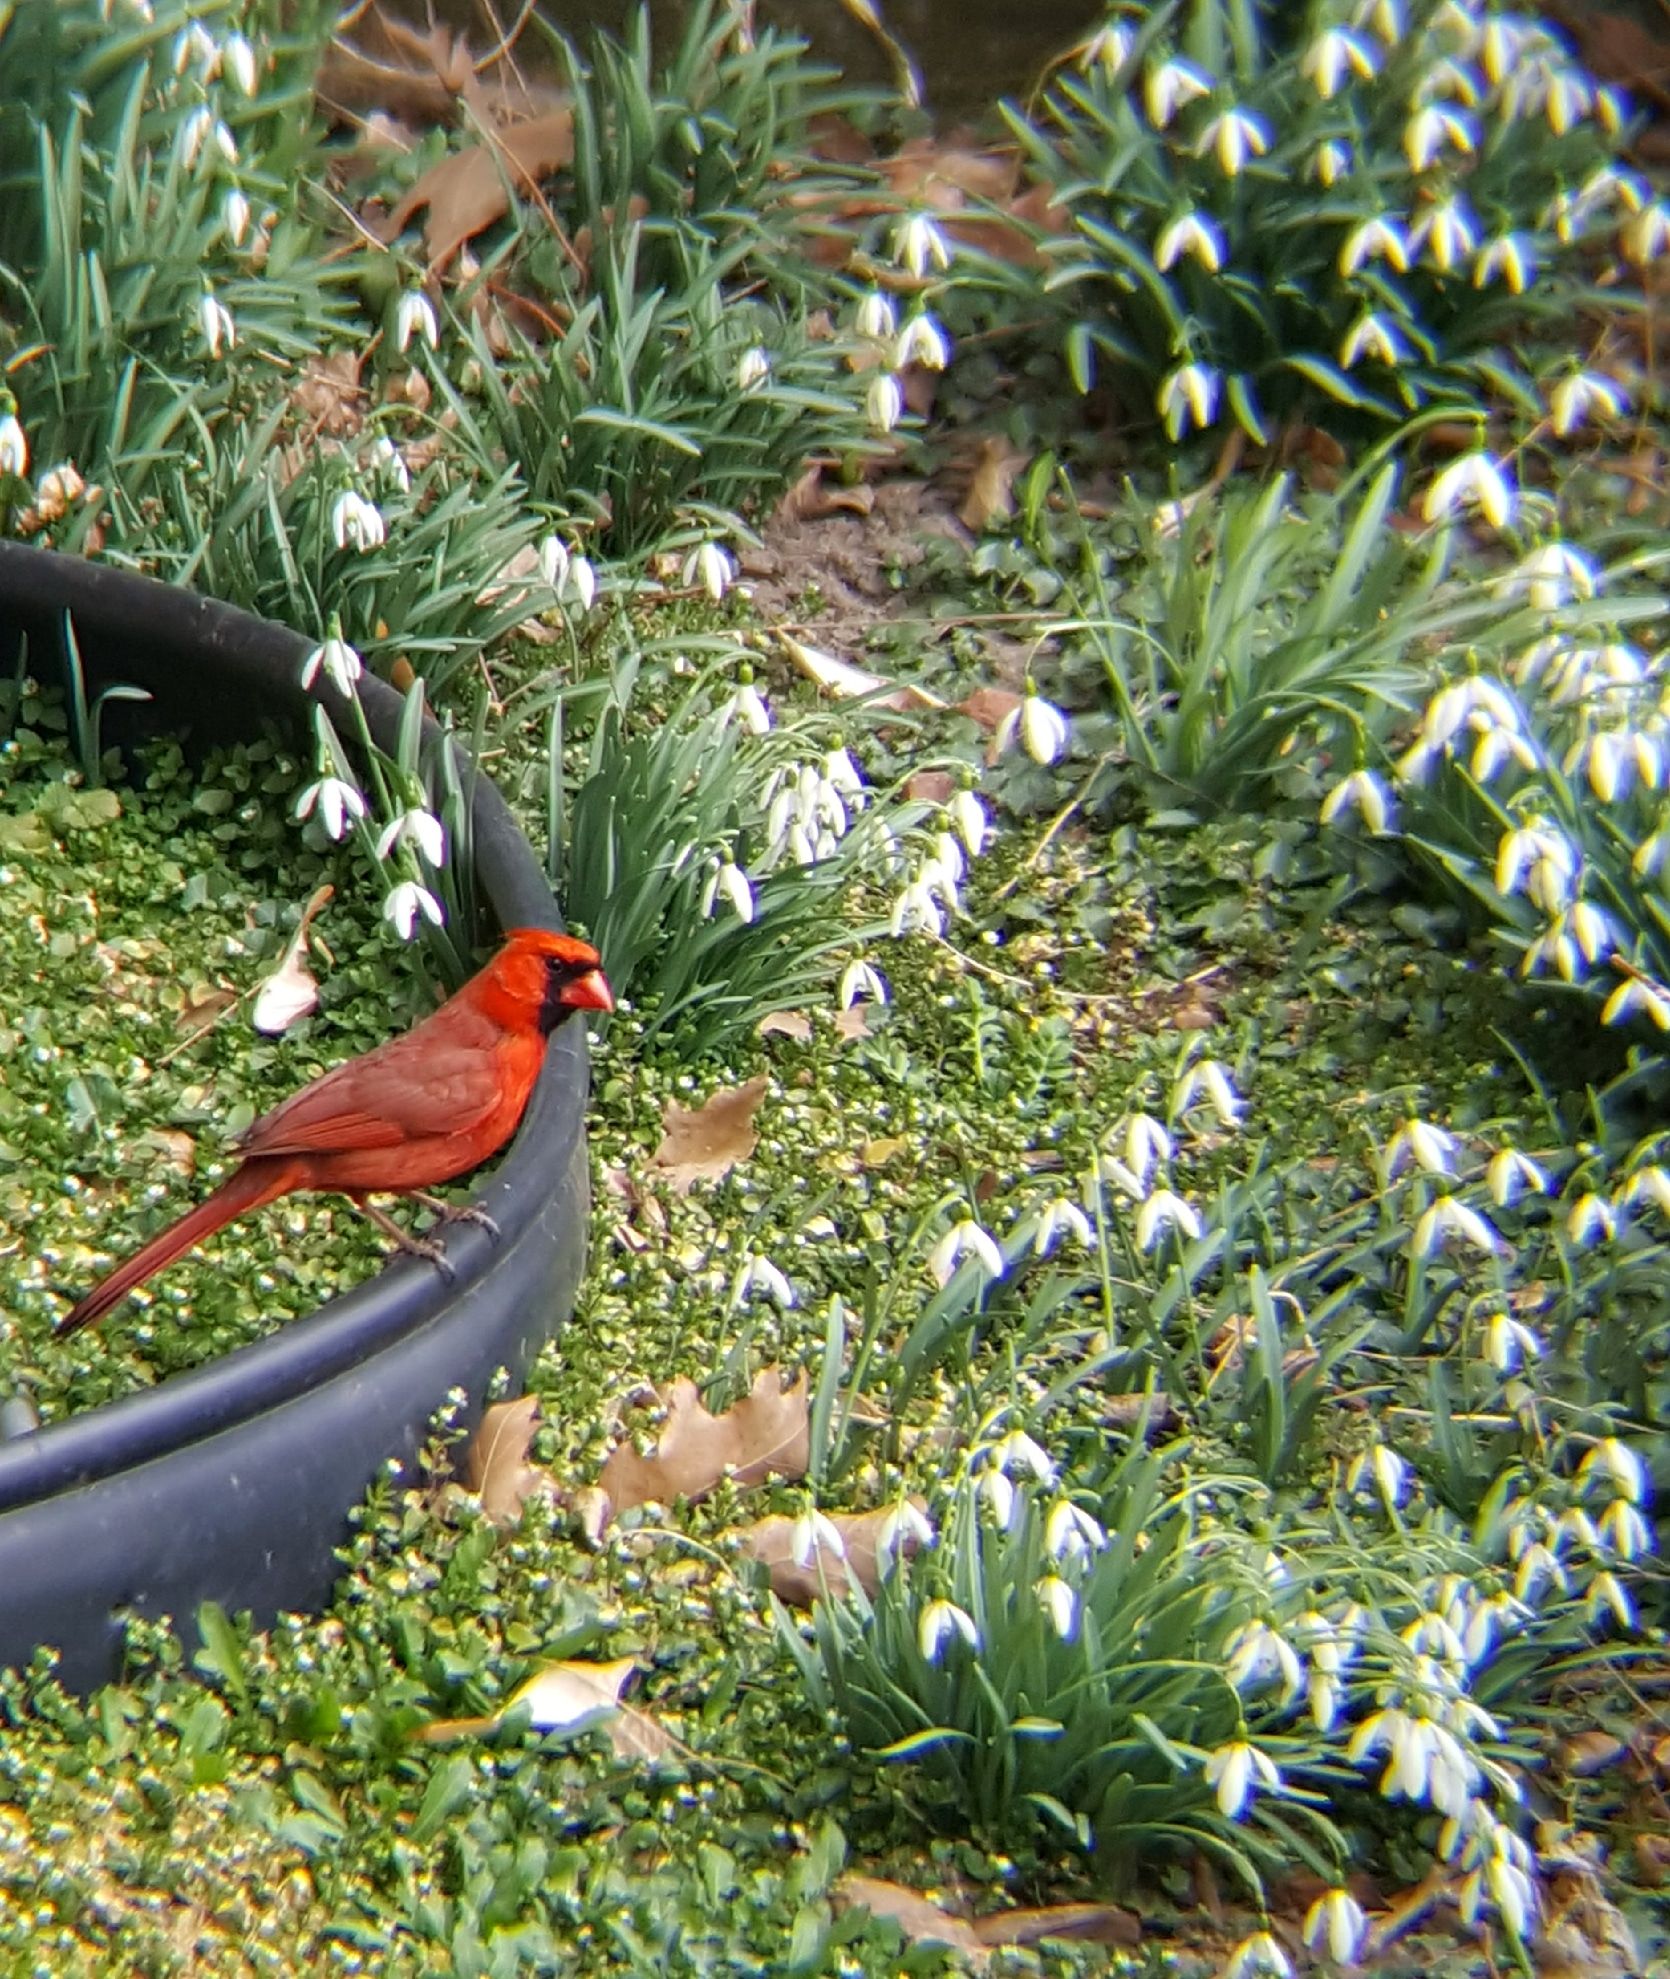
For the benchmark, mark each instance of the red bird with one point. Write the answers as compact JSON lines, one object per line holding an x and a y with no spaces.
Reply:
{"x":413,"y":1113}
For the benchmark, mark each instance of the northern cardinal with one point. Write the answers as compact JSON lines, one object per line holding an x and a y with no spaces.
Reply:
{"x":414,"y":1112}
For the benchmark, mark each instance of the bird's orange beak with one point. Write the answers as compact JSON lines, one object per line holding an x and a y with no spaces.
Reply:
{"x":590,"y":991}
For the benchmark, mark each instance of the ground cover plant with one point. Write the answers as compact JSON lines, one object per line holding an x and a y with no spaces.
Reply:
{"x":1117,"y":1417}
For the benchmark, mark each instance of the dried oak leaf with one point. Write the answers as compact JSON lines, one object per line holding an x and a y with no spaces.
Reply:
{"x":469,"y":190}
{"x":766,"y":1434}
{"x":772,"y":1543}
{"x":496,"y":1467}
{"x":704,"y":1143}
{"x":922,"y":1921}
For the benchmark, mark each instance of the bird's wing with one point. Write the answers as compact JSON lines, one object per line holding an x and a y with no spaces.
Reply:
{"x":413,"y":1088}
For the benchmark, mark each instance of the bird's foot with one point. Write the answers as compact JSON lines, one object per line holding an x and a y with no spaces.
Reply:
{"x":430,"y":1249}
{"x":456,"y":1212}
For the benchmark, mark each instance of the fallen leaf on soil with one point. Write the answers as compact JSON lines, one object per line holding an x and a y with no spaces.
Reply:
{"x":989,"y":707}
{"x":205,"y":1010}
{"x":772,"y":1543}
{"x":176,"y":1149}
{"x":990,"y":498}
{"x":497,"y":1467}
{"x":766,"y":1434}
{"x":786,"y":1024}
{"x":811,"y":498}
{"x":1086,"y":1923}
{"x":847,"y":682}
{"x":469,"y":190}
{"x":853,"y":1022}
{"x":704,"y":1143}
{"x":930,"y":786}
{"x":329,"y":396}
{"x":922,"y":1921}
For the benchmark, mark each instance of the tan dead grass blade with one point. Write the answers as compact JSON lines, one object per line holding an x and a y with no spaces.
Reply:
{"x":704,"y":1143}
{"x":765,"y":1435}
{"x":469,"y":190}
{"x":496,"y":1468}
{"x":848,"y":683}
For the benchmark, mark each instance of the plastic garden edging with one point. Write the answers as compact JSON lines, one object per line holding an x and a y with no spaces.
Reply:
{"x":233,"y":1483}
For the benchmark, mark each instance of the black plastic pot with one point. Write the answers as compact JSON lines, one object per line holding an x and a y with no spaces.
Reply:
{"x":234,"y":1483}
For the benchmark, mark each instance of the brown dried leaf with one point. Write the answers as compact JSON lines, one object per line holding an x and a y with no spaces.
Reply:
{"x":204,"y":1011}
{"x":328,"y":396}
{"x":704,"y":1143}
{"x":853,"y":1022}
{"x":786,"y":1024}
{"x":1084,"y":1923}
{"x":847,"y":682}
{"x":772,"y":1543}
{"x":469,"y":190}
{"x":990,"y":498}
{"x":921,"y":1920}
{"x":811,"y":498}
{"x":497,"y":1468}
{"x":989,"y":706}
{"x":175,"y":1149}
{"x":766,"y":1434}
{"x":931,"y":786}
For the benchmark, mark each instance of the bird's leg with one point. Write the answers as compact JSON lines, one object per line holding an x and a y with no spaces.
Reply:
{"x":455,"y":1212}
{"x":423,"y":1247}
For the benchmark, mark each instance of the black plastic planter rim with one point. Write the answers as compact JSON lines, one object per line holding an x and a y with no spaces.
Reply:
{"x":233,"y":1483}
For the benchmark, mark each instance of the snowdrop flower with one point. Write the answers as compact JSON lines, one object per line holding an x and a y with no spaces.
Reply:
{"x":813,"y":1534}
{"x":1580,"y":935}
{"x":1553,"y":574}
{"x":570,"y":576}
{"x":917,"y":908}
{"x":727,"y":879}
{"x":710,"y":567}
{"x":759,"y":1274}
{"x":239,"y":59}
{"x":1542,"y":857}
{"x":1445,"y":1217}
{"x":942,"y":1622}
{"x":1473,"y":481}
{"x":202,"y":128}
{"x":1163,"y":1210}
{"x":904,"y":1529}
{"x":877,"y":318}
{"x":338,"y":803}
{"x":1636,"y":993}
{"x":1334,"y":55}
{"x":1336,"y":1919}
{"x":406,"y":902}
{"x":1167,"y":88}
{"x":1381,"y":1465}
{"x":1575,"y":400}
{"x":922,"y":342}
{"x":753,"y":368}
{"x":414,"y":826}
{"x":415,"y":317}
{"x":997,"y":1494}
{"x":1431,"y":1148}
{"x":919,"y":245}
{"x":214,"y":319}
{"x":1236,"y":136}
{"x":385,"y":459}
{"x":1624,"y":1530}
{"x":1362,"y":792}
{"x":1331,"y":162}
{"x":234,"y":216}
{"x":965,"y":1239}
{"x":968,"y":815}
{"x":1591,"y":1216}
{"x":1056,"y":1219}
{"x":885,"y":402}
{"x":1259,"y":1953}
{"x":342,"y":665}
{"x":1510,"y":1174}
{"x":1371,"y":336}
{"x":14,"y":444}
{"x":1189,"y":392}
{"x":1191,"y":233}
{"x":1206,"y":1076}
{"x":1146,"y":1143}
{"x":1510,"y":257}
{"x":1237,"y":1770}
{"x":1019,"y":1451}
{"x":1429,"y":130}
{"x":1386,"y":18}
{"x":355,"y":520}
{"x":860,"y":981}
{"x":748,"y":706}
{"x":1568,"y":101}
{"x":1059,"y":1603}
{"x":1509,"y":1343}
{"x":1109,"y":49}
{"x":1605,"y":1594}
{"x":196,"y":44}
{"x":1447,"y":233}
{"x":1258,"y":1652}
{"x":1071,"y":1534}
{"x":1379,"y":239}
{"x":1647,"y":235}
{"x":1615,"y":1463}
{"x":1041,"y":726}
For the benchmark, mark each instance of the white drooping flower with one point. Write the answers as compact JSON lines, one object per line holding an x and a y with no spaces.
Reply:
{"x":416,"y":827}
{"x":1236,"y":136}
{"x":338,"y":803}
{"x":1336,"y":1920}
{"x":1040,"y":725}
{"x":1169,"y":86}
{"x":356,"y":521}
{"x":1511,"y":257}
{"x":1237,"y":1770}
{"x":753,"y":368}
{"x":342,"y":666}
{"x":1472,"y":481}
{"x":214,"y":319}
{"x":1579,"y":398}
{"x":1192,"y":233}
{"x":918,"y":245}
{"x":922,"y":342}
{"x":406,"y":903}
{"x":709,"y":567}
{"x":813,"y":1534}
{"x":1332,"y":57}
{"x":727,"y":880}
{"x":884,"y":404}
{"x":14,"y":446}
{"x":1188,"y":393}
{"x":1206,"y":1077}
{"x":1362,"y":792}
{"x":943,"y":1622}
{"x":877,"y":317}
{"x":415,"y":317}
{"x":965,"y":1239}
{"x":1162,"y":1211}
{"x":759,"y":1274}
{"x":1378,"y":239}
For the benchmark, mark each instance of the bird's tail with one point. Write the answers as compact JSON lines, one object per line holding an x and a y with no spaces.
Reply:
{"x":255,"y":1183}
